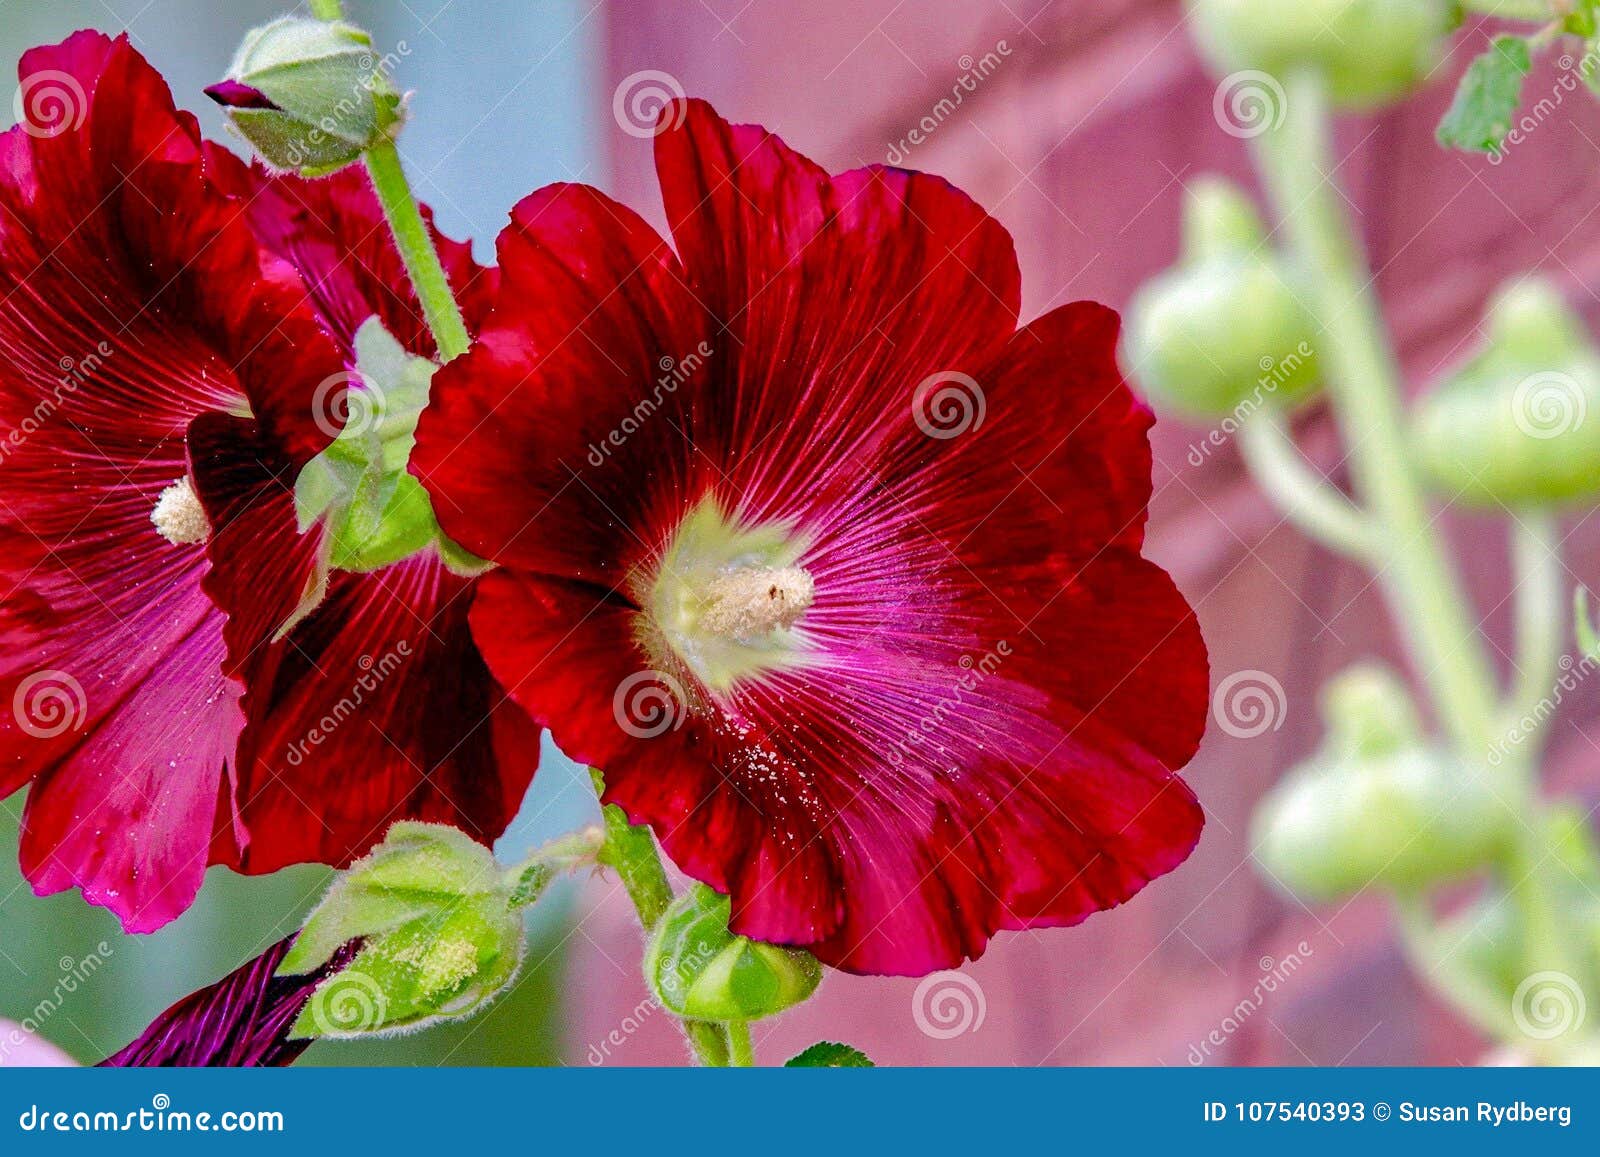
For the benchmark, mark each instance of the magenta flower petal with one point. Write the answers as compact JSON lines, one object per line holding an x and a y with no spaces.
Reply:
{"x":241,"y":1021}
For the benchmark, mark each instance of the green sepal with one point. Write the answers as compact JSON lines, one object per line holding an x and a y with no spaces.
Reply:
{"x":373,"y":512}
{"x":700,"y":970}
{"x":1486,"y":101}
{"x":439,"y":936}
{"x":830,"y":1055}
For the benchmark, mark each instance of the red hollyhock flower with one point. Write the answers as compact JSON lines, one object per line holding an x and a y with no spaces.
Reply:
{"x":834,"y":571}
{"x":158,"y":388}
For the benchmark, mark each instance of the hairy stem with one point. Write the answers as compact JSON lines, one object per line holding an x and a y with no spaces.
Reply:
{"x":417,"y":250}
{"x":631,"y":852}
{"x":742,"y":1053}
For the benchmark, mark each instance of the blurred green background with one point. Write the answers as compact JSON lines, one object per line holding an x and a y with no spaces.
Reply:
{"x":499,"y":110}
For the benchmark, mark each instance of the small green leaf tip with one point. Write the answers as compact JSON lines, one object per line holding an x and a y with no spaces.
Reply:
{"x":439,"y":933}
{"x":1486,"y":102}
{"x":830,"y":1055}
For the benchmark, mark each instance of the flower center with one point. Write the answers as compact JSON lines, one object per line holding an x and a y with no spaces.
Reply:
{"x":179,"y":516}
{"x":728,"y":598}
{"x":756,"y":600}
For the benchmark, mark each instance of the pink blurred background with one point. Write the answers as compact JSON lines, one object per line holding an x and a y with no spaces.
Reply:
{"x":1079,"y":140}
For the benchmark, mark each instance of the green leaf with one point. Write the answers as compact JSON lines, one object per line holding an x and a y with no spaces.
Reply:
{"x":1486,"y":102}
{"x":372,"y":511}
{"x":830,"y":1055}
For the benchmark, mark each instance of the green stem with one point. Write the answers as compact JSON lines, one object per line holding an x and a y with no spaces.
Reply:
{"x":1365,"y":389}
{"x":741,"y":1051}
{"x":417,"y":250}
{"x":411,"y":234}
{"x":1305,"y":497}
{"x":1539,"y":598}
{"x":1364,"y":386}
{"x":631,"y":852}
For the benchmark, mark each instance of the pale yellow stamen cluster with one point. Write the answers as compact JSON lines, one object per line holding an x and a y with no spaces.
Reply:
{"x":753,"y":601}
{"x":179,"y":516}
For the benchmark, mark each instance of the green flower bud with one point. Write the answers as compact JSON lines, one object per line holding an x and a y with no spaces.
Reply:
{"x":1376,"y":805}
{"x":700,"y":970}
{"x":440,"y":930}
{"x":1225,"y":330}
{"x":310,"y":96}
{"x":1369,"y":52}
{"x":1520,"y":423}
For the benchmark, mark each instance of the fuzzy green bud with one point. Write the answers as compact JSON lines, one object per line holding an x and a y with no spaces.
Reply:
{"x":1518,"y":425}
{"x":1225,"y":330}
{"x":1376,"y":805}
{"x":309,"y":95}
{"x":1368,"y":52}
{"x":700,"y":970}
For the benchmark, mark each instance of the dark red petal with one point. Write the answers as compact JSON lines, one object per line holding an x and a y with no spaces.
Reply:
{"x":592,"y":316}
{"x":234,"y":94}
{"x":334,"y":233}
{"x":377,"y":708}
{"x":241,"y":1021}
{"x":135,"y":304}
